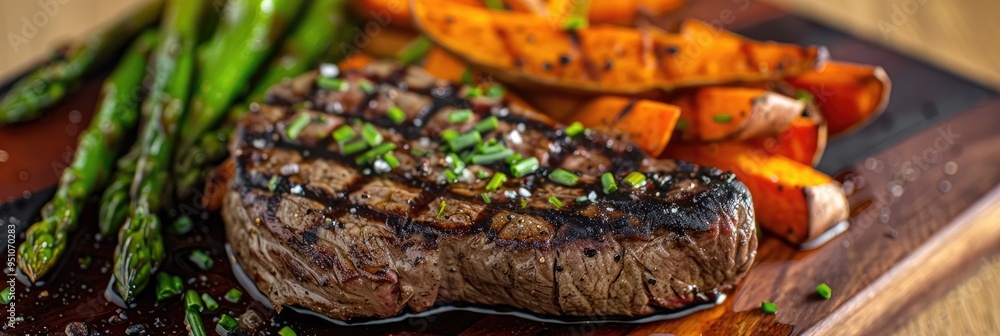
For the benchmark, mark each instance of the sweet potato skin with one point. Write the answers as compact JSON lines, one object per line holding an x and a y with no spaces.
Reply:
{"x":791,"y":200}
{"x":848,"y":95}
{"x":803,"y":141}
{"x":526,"y":50}
{"x":714,"y":114}
{"x":647,"y":123}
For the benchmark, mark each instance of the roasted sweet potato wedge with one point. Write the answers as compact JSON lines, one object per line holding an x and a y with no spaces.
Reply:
{"x":526,"y":50}
{"x":607,"y":11}
{"x":558,"y":106}
{"x":389,"y":42}
{"x":443,"y":65}
{"x":714,"y":114}
{"x":848,"y":95}
{"x":648,"y":123}
{"x":355,"y":61}
{"x":397,"y":12}
{"x":791,"y":200}
{"x":803,"y":141}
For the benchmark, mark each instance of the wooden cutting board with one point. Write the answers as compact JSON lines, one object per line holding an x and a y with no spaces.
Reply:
{"x":922,"y":176}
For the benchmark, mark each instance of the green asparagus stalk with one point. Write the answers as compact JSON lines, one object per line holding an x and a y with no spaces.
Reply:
{"x":231,"y":60}
{"x":50,"y":83}
{"x":140,"y":243}
{"x":115,"y":201}
{"x":323,"y":24}
{"x":117,"y":116}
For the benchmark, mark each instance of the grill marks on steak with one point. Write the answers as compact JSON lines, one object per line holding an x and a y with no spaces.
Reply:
{"x":317,"y":230}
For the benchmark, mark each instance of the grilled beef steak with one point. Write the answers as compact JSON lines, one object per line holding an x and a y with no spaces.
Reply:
{"x":321,"y":217}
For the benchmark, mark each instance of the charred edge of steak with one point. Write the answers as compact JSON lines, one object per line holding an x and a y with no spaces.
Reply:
{"x":315,"y":228}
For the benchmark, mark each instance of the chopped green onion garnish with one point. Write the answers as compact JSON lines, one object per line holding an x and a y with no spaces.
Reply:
{"x":202,"y":260}
{"x":85,"y":262}
{"x":635,"y":179}
{"x":524,"y":167}
{"x":459,"y":116}
{"x":474,"y":92}
{"x":582,"y":199}
{"x":449,"y":134}
{"x":372,"y":154}
{"x":343,"y":133}
{"x":414,"y":51}
{"x":192,"y":301}
{"x":722,"y":118}
{"x":514,"y":159}
{"x":234,"y":295}
{"x":335,"y":84}
{"x":466,"y":77}
{"x":272,"y":185}
{"x":575,"y":22}
{"x":574,"y":129}
{"x":287,"y":331}
{"x":490,"y":147}
{"x":486,"y":198}
{"x":182,"y":225}
{"x":555,"y":202}
{"x":524,"y":203}
{"x":210,"y":303}
{"x":495,"y":91}
{"x":824,"y":291}
{"x":481,"y":159}
{"x":769,"y":307}
{"x":608,"y":181}
{"x":7,"y":295}
{"x":195,"y":325}
{"x":396,"y":114}
{"x":563,"y":177}
{"x":353,"y":147}
{"x":487,"y":124}
{"x":465,"y":141}
{"x":297,"y":126}
{"x":366,"y":86}
{"x":391,"y":160}
{"x":804,"y":96}
{"x":455,"y":162}
{"x":494,"y":4}
{"x":682,"y":124}
{"x":450,"y":176}
{"x":495,"y":182}
{"x":167,"y":285}
{"x":482,"y":174}
{"x":228,"y":323}
{"x":371,"y":135}
{"x":441,"y":209}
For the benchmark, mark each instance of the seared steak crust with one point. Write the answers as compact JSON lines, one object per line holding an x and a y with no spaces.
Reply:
{"x":318,"y":229}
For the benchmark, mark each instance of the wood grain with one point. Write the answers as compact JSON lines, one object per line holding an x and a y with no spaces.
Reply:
{"x":926,"y":269}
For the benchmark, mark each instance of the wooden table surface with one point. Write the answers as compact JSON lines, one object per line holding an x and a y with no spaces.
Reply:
{"x":958,"y":35}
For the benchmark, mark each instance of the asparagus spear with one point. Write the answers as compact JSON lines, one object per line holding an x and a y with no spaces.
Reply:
{"x":323,"y":24}
{"x":115,"y":201}
{"x":117,"y":116}
{"x":230,"y":62}
{"x":49,"y":84}
{"x":140,"y":244}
